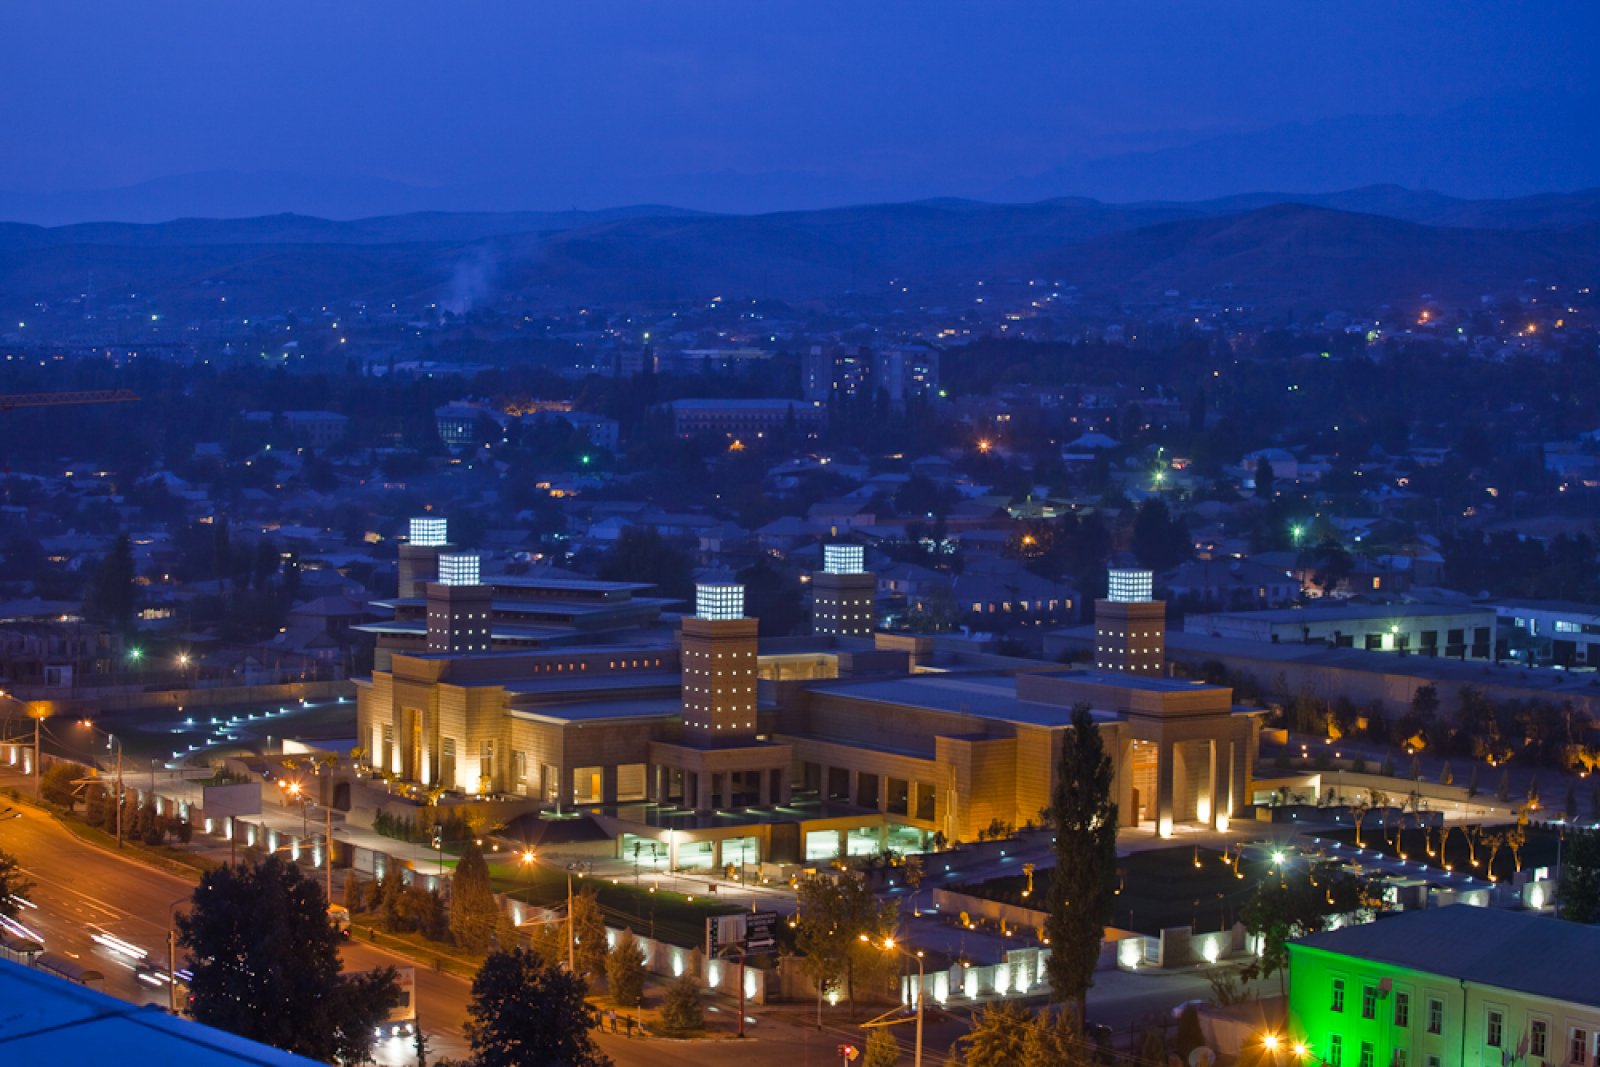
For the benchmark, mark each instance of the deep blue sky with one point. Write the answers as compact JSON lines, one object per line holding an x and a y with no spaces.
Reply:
{"x":756,"y":103}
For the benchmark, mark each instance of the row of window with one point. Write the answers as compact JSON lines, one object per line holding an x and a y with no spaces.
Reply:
{"x":1579,"y":1052}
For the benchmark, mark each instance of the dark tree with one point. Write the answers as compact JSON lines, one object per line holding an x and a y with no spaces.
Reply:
{"x":1580,"y":878}
{"x":266,"y":964}
{"x":1160,"y":542}
{"x":641,"y":554}
{"x":1264,"y":477}
{"x":524,"y":1011}
{"x":12,"y":884}
{"x":1294,"y":905}
{"x":474,"y":915}
{"x":111,"y":590}
{"x":1082,"y":886}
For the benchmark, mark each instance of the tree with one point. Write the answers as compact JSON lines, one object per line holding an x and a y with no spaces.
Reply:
{"x":1264,"y":478}
{"x":1052,"y":1041}
{"x":266,"y":964}
{"x":1580,"y":878}
{"x":56,"y":784}
{"x":111,"y":590}
{"x":1083,"y":884}
{"x":1502,"y":791}
{"x":1289,"y":907}
{"x":680,"y":1009}
{"x":641,"y":554}
{"x":1472,"y":782}
{"x":834,"y":915}
{"x":1160,"y":542}
{"x":1446,"y":775}
{"x":1190,"y":1035}
{"x":524,"y":1010}
{"x":589,"y":933}
{"x":474,"y":914}
{"x":998,"y":1037}
{"x":625,"y":969}
{"x":882,"y":1049}
{"x":13,"y":886}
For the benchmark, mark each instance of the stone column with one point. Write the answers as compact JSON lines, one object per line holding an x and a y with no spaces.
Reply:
{"x":855,"y":787}
{"x":783,"y":786}
{"x":716,"y":857}
{"x":703,"y":786}
{"x":1164,"y":788}
{"x":844,"y":843}
{"x":764,"y":788}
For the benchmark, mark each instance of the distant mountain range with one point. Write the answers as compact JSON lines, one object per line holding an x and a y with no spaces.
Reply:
{"x":1355,"y":249}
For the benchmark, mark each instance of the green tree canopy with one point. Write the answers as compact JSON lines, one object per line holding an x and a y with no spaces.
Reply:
{"x":835,"y":913}
{"x":474,"y":914}
{"x":625,"y":969}
{"x":1083,"y":883}
{"x":525,"y":1011}
{"x":266,"y":964}
{"x":13,"y":885}
{"x":1292,"y":903}
{"x":1580,"y":877}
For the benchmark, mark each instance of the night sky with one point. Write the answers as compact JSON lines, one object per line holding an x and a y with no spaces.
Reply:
{"x":760,"y":105}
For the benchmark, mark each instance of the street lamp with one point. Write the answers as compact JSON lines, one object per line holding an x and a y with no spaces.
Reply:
{"x":889,"y":945}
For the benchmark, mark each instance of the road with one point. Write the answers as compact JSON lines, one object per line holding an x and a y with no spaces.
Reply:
{"x":80,"y":890}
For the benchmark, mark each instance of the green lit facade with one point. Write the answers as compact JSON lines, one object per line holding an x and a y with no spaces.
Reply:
{"x":1349,"y":1009}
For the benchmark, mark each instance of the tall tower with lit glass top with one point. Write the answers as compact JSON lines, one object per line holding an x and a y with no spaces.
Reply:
{"x":719,"y":668}
{"x":459,"y":606}
{"x":419,"y":556}
{"x":1130,"y":625}
{"x":842,"y":593}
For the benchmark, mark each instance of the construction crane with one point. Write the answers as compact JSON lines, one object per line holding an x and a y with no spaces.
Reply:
{"x":12,"y":401}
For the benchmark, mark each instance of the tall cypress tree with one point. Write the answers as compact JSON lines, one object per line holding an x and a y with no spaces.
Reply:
{"x":1083,"y":884}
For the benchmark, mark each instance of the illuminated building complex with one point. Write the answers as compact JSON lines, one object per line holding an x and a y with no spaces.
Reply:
{"x":704,"y":740}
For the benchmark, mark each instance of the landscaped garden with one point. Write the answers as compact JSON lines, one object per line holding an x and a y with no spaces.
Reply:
{"x":1495,"y":852}
{"x":1199,"y":887}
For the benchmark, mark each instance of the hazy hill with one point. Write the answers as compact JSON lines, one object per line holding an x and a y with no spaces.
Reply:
{"x":1257,"y":249}
{"x":1298,"y":255}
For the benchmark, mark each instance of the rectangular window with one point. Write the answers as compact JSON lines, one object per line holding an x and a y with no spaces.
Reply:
{"x":1336,"y":1051}
{"x":1402,"y":1057}
{"x":1402,"y":1009}
{"x":1579,"y":1051}
{"x":1369,"y":1002}
{"x":1338,"y":994}
{"x":1538,"y":1038}
{"x":486,"y":760}
{"x":1433,"y":1061}
{"x":1435,"y":1015}
{"x":1368,"y":1056}
{"x":1494,"y":1028}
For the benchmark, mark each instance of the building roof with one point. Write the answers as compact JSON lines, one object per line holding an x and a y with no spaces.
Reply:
{"x":985,"y":696}
{"x":44,"y":1019}
{"x":1349,"y":612}
{"x":1519,"y":951}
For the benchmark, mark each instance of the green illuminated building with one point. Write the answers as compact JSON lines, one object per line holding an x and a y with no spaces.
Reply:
{"x":1460,"y":985}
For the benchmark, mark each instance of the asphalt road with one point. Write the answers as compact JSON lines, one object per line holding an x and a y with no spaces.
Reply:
{"x":80,"y":891}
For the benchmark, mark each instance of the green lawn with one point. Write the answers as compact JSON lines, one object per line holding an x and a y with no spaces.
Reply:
{"x":1157,"y":889}
{"x":671,"y":916}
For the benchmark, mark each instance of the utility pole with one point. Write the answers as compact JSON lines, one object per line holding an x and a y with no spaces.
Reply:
{"x":572,"y":944}
{"x":120,"y":804}
{"x":327,"y":851}
{"x":36,"y":757}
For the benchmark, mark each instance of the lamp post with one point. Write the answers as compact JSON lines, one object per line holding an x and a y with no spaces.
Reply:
{"x":889,"y":945}
{"x":172,"y":954}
